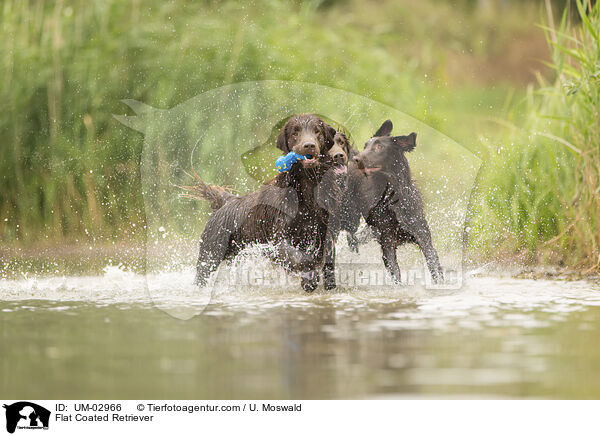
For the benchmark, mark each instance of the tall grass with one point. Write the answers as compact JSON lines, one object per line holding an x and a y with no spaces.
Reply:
{"x":540,"y":190}
{"x":70,"y":171}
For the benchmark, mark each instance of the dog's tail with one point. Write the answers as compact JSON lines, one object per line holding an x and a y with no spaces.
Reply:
{"x":217,"y":196}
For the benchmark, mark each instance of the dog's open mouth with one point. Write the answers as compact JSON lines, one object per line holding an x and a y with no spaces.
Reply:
{"x":340,"y":169}
{"x":368,"y":171}
{"x":309,"y":163}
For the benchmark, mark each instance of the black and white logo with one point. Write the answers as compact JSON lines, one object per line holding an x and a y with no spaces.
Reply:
{"x":26,"y":415}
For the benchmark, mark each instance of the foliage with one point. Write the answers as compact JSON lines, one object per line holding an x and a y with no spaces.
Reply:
{"x":540,"y":191}
{"x":70,"y":171}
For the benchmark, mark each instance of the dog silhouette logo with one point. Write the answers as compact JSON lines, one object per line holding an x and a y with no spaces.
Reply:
{"x":26,"y":415}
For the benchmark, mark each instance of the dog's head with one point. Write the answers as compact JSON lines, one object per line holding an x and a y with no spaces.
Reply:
{"x":306,"y":134}
{"x":384,"y":151}
{"x":340,"y":151}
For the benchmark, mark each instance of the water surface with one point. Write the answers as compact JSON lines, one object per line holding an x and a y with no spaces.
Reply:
{"x":103,"y":336}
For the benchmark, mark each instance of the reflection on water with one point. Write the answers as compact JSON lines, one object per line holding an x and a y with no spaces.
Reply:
{"x":103,"y":337}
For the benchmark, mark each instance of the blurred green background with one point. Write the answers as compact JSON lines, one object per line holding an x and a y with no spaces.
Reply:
{"x":516,"y":82}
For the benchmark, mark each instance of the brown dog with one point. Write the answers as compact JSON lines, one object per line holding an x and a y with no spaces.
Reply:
{"x":383,"y":191}
{"x":341,"y":150}
{"x":290,"y":212}
{"x":340,"y":219}
{"x":298,"y":131}
{"x":306,"y":134}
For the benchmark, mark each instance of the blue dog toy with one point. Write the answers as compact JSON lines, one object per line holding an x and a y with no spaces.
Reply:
{"x":284,"y":163}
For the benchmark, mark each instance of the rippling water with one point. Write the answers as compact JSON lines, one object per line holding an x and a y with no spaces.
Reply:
{"x":111,"y":335}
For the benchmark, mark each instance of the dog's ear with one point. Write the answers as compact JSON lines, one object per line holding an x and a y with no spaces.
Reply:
{"x":282,"y":142}
{"x":406,"y":143}
{"x":353,"y":152}
{"x":347,"y":147}
{"x":328,"y":134}
{"x":385,"y":129}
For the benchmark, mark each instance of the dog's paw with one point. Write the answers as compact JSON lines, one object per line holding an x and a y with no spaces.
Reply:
{"x":352,"y":243}
{"x":310,"y":280}
{"x":438,"y":276}
{"x":328,"y":279}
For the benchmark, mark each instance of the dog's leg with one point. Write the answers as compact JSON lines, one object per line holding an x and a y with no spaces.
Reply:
{"x":293,"y":258}
{"x":423,"y":238}
{"x":211,"y":253}
{"x":352,"y":242}
{"x":350,"y":213}
{"x":350,"y":223}
{"x":329,"y":265}
{"x":390,"y":261}
{"x":297,"y":260}
{"x":366,"y":234}
{"x":309,"y":280}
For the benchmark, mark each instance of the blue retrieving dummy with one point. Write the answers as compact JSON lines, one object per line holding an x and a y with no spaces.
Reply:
{"x":284,"y":163}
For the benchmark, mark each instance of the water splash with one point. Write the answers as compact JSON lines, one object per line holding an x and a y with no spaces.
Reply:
{"x":483,"y":301}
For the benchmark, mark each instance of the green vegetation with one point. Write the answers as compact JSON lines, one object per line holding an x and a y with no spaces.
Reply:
{"x":540,"y":193}
{"x":70,"y":172}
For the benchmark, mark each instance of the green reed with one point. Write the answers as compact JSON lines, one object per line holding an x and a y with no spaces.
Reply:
{"x":69,"y":171}
{"x":539,"y":193}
